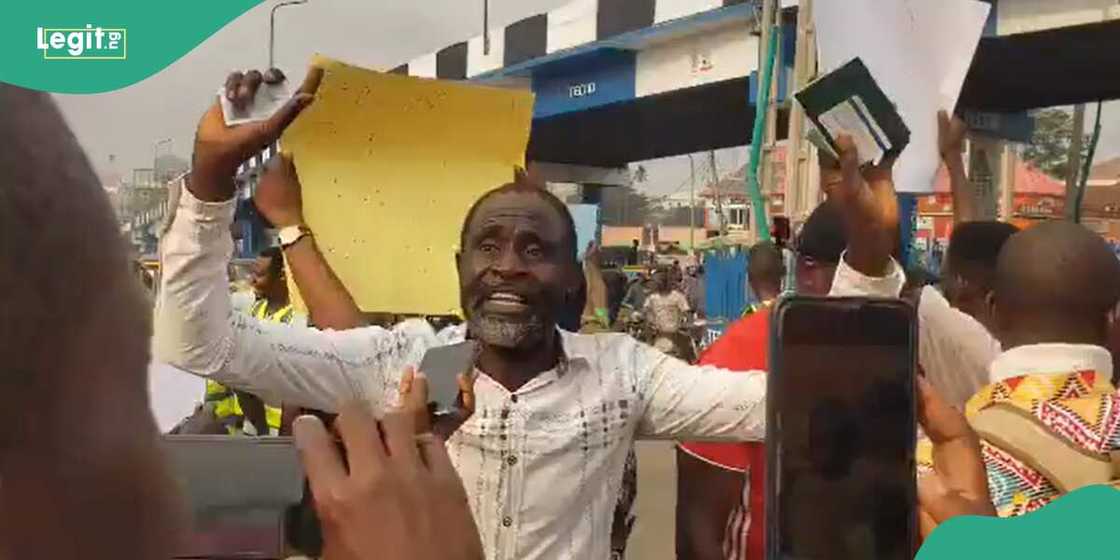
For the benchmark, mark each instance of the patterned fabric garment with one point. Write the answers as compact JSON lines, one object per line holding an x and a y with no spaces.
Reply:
{"x":1080,"y":407}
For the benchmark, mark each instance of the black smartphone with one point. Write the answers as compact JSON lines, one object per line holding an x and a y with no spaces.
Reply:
{"x":841,"y":430}
{"x":241,"y":491}
{"x":442,"y":366}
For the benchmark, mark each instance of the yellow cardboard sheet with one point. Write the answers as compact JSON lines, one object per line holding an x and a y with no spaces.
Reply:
{"x":390,"y":165}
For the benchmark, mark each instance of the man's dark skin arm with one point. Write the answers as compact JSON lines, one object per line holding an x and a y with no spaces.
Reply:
{"x":950,"y":142}
{"x":869,"y":204}
{"x":328,"y":301}
{"x":706,"y":495}
{"x":220,"y":149}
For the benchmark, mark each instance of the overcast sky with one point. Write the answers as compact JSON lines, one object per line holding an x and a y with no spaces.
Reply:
{"x":377,"y":34}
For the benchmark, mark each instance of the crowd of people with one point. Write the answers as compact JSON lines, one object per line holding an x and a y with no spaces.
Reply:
{"x":1016,"y":402}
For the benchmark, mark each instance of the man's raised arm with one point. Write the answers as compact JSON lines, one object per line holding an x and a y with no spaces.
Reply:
{"x":951,"y":131}
{"x":868,"y":202}
{"x":195,"y":327}
{"x":279,"y":198}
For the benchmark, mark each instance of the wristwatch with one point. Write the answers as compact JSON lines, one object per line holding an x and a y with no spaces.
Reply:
{"x":291,"y":234}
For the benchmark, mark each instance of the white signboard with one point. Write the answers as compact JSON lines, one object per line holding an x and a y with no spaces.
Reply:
{"x":919,"y":52}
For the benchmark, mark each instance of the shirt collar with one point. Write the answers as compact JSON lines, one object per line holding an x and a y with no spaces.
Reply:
{"x":1050,"y":358}
{"x":571,"y":354}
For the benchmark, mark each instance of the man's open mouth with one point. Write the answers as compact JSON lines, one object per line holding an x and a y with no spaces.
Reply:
{"x":507,"y":303}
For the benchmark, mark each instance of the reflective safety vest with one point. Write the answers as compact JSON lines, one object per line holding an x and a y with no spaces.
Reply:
{"x":227,"y":408}
{"x":283,"y":315}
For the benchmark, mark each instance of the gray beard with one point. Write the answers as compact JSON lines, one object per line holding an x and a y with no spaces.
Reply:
{"x":503,"y":333}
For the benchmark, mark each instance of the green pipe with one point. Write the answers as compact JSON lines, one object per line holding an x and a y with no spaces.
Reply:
{"x":1088,"y":164}
{"x":754,"y":190}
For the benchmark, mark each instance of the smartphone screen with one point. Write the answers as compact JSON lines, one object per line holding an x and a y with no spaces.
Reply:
{"x":841,"y":431}
{"x":442,"y":366}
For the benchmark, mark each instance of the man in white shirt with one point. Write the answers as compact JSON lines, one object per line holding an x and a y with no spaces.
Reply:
{"x":667,"y":308}
{"x":555,"y":413}
{"x":1048,"y":418}
{"x":955,"y":344}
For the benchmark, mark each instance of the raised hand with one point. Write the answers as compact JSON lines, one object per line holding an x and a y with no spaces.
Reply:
{"x":866,"y":196}
{"x":220,"y":149}
{"x":959,"y":482}
{"x":950,"y":134}
{"x":414,"y":401}
{"x":278,"y":196}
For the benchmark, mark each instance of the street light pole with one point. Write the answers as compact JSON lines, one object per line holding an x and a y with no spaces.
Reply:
{"x":272,"y":29}
{"x":486,"y":27}
{"x":155,"y":158}
{"x":691,"y":204}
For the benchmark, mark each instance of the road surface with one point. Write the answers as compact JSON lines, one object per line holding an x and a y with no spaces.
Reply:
{"x":653,"y":536}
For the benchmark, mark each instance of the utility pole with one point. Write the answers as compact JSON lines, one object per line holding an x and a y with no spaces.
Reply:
{"x":1074,"y":159}
{"x":691,"y":204}
{"x":801,"y":196}
{"x":1007,"y":165}
{"x":719,"y":194}
{"x":486,"y":27}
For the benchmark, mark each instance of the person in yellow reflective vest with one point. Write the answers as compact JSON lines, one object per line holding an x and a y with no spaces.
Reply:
{"x":272,"y":303}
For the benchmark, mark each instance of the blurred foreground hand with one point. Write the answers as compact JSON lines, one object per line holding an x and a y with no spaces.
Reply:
{"x":396,"y":494}
{"x":958,"y":484}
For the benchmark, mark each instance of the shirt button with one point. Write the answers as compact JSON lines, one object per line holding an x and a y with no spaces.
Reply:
{"x":507,"y":521}
{"x":513,"y":398}
{"x":511,"y":460}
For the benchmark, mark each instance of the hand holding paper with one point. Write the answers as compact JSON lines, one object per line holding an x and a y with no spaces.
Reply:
{"x":220,"y":148}
{"x":849,"y":102}
{"x":918,"y":51}
{"x":867,"y":199}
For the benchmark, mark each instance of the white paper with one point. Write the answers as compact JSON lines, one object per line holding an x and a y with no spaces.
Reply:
{"x":955,"y":27}
{"x":268,"y":100}
{"x":918,"y":51}
{"x":174,"y":394}
{"x":852,"y":118}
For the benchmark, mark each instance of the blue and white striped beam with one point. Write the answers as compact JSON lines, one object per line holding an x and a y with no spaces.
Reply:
{"x":576,"y":23}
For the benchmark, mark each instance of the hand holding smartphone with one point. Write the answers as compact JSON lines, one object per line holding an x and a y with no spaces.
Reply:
{"x":841,"y":430}
{"x":442,"y":366}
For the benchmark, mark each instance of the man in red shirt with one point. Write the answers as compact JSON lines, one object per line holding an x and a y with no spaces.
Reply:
{"x":718,"y":515}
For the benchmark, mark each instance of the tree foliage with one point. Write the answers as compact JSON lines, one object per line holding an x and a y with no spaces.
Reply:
{"x":1049,"y":148}
{"x":624,"y":206}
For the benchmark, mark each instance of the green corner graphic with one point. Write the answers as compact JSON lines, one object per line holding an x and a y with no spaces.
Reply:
{"x":1079,"y":525}
{"x":146,"y":38}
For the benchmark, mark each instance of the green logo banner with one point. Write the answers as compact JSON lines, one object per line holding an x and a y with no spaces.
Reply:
{"x":95,"y":46}
{"x":1079,"y":525}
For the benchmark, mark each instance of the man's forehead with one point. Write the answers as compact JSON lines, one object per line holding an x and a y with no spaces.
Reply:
{"x":524,"y":208}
